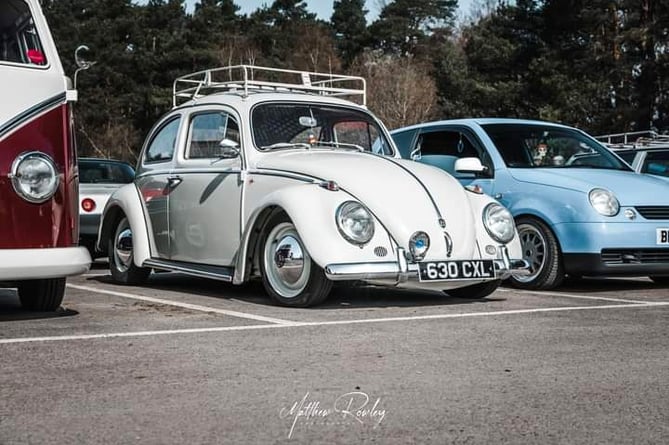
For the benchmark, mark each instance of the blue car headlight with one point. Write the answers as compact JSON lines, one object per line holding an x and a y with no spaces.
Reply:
{"x":604,"y":202}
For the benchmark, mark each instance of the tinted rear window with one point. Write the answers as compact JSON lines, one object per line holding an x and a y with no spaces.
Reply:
{"x":105,"y":172}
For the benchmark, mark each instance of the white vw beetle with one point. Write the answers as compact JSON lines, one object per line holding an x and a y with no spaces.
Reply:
{"x":267,"y":173}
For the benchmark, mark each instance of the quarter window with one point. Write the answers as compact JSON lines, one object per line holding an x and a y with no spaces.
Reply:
{"x":210,"y":133}
{"x":162,"y":145}
{"x":19,"y":41}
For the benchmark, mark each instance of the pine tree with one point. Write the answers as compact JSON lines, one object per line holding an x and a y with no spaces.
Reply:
{"x":350,"y":27}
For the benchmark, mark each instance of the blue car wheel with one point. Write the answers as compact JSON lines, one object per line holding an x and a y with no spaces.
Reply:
{"x":542,"y":251}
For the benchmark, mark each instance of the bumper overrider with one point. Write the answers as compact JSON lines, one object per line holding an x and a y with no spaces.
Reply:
{"x":402,"y":270}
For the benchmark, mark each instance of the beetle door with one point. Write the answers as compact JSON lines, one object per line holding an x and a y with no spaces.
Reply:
{"x":444,"y":146}
{"x":205,"y":203}
{"x":153,"y":182}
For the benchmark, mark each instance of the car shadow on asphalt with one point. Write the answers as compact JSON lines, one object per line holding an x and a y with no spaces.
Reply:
{"x":604,"y":284}
{"x":11,"y":310}
{"x":343,"y":295}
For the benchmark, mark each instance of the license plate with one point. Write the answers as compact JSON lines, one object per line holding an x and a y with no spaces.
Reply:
{"x":663,"y":236}
{"x":456,"y":270}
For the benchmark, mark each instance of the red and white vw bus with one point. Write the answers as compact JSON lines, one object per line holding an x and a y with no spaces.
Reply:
{"x":39,"y":220}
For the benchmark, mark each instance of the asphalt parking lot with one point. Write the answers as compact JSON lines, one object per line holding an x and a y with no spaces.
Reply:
{"x":185,"y":360}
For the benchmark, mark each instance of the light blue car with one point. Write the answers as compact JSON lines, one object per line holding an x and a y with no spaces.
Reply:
{"x":580,"y":210}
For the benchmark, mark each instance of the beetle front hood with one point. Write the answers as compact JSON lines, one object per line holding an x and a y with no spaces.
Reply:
{"x":630,"y":188}
{"x":405,"y":196}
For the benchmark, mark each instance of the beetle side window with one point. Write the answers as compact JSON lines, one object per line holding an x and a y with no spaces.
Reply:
{"x":19,"y":41}
{"x":161,"y":148}
{"x":209,"y":132}
{"x":656,"y":163}
{"x":443,"y":148}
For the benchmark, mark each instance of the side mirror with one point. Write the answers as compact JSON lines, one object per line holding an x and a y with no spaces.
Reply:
{"x":469,"y":165}
{"x":415,"y":154}
{"x":229,"y":149}
{"x":81,"y":62}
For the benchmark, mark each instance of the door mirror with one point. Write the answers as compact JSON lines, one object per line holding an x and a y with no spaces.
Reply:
{"x":81,"y":62}
{"x":229,"y":149}
{"x":469,"y":165}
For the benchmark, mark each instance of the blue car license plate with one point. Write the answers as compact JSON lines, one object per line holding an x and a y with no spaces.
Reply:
{"x":456,"y":270}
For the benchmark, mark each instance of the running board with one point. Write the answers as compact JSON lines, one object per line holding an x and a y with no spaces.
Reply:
{"x":221,"y":273}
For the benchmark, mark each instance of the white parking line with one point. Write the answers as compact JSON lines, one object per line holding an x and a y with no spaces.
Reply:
{"x":194,"y":307}
{"x":581,"y":297}
{"x":327,"y":323}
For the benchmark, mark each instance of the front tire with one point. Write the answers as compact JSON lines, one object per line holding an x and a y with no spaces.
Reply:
{"x":542,"y":251}
{"x":42,"y":295}
{"x":290,"y":276}
{"x":121,"y":257}
{"x":475,"y":291}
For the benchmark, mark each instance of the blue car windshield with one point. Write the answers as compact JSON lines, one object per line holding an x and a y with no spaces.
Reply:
{"x":537,"y":146}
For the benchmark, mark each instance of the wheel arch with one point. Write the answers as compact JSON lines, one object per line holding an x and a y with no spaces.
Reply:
{"x":126,"y":202}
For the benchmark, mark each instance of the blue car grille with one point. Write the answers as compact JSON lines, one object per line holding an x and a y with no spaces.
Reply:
{"x":635,"y":256}
{"x":653,"y":212}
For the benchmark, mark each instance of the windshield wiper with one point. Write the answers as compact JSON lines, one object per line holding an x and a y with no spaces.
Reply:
{"x":340,"y":145}
{"x":280,"y":145}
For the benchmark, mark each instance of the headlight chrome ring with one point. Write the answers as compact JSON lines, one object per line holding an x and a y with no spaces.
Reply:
{"x":499,"y":223}
{"x":34,"y":177}
{"x":355,"y":223}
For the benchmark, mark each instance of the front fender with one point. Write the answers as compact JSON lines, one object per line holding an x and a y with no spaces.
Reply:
{"x":312,"y":210}
{"x":478,"y":203}
{"x":126,"y":201}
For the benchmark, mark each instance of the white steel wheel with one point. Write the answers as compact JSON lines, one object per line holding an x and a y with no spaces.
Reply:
{"x":290,"y":276}
{"x":541,"y":250}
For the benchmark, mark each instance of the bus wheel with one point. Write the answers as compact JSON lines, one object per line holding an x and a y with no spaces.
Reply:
{"x":42,"y":295}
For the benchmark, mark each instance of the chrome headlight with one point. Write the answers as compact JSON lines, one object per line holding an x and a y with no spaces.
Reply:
{"x":604,"y":202}
{"x":34,"y":177}
{"x":419,"y":243}
{"x":355,"y":223}
{"x":498,"y":221}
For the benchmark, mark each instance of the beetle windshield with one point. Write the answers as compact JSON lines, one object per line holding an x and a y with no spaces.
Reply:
{"x":298,"y":125}
{"x":92,"y":171}
{"x":537,"y":146}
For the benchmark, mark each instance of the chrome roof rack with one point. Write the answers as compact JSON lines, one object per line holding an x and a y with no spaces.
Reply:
{"x":634,"y":139}
{"x":245,"y":79}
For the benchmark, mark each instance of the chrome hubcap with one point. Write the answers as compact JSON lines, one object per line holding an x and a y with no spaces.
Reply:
{"x":123,"y":247}
{"x":534,"y":248}
{"x":287,"y":264}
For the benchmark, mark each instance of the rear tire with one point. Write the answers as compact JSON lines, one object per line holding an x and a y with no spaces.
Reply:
{"x":290,"y":276}
{"x":542,"y":251}
{"x":42,"y":295}
{"x":121,"y":257}
{"x":660,"y":279}
{"x":475,"y":291}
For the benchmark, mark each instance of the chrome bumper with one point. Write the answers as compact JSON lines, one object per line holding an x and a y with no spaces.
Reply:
{"x":402,"y":271}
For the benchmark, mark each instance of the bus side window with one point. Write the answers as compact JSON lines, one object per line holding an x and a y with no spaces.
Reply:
{"x":19,"y":42}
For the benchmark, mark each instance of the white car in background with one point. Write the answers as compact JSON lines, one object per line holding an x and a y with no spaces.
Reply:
{"x":98,"y":179}
{"x":267,"y":173}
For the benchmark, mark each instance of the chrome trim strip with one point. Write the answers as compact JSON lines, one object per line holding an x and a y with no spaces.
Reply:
{"x":225,"y":273}
{"x":30,"y":113}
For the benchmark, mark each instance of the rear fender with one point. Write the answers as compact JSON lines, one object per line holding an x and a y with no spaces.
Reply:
{"x":126,"y":201}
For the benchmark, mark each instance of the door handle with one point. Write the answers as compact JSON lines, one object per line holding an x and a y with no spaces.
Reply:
{"x":173,"y":181}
